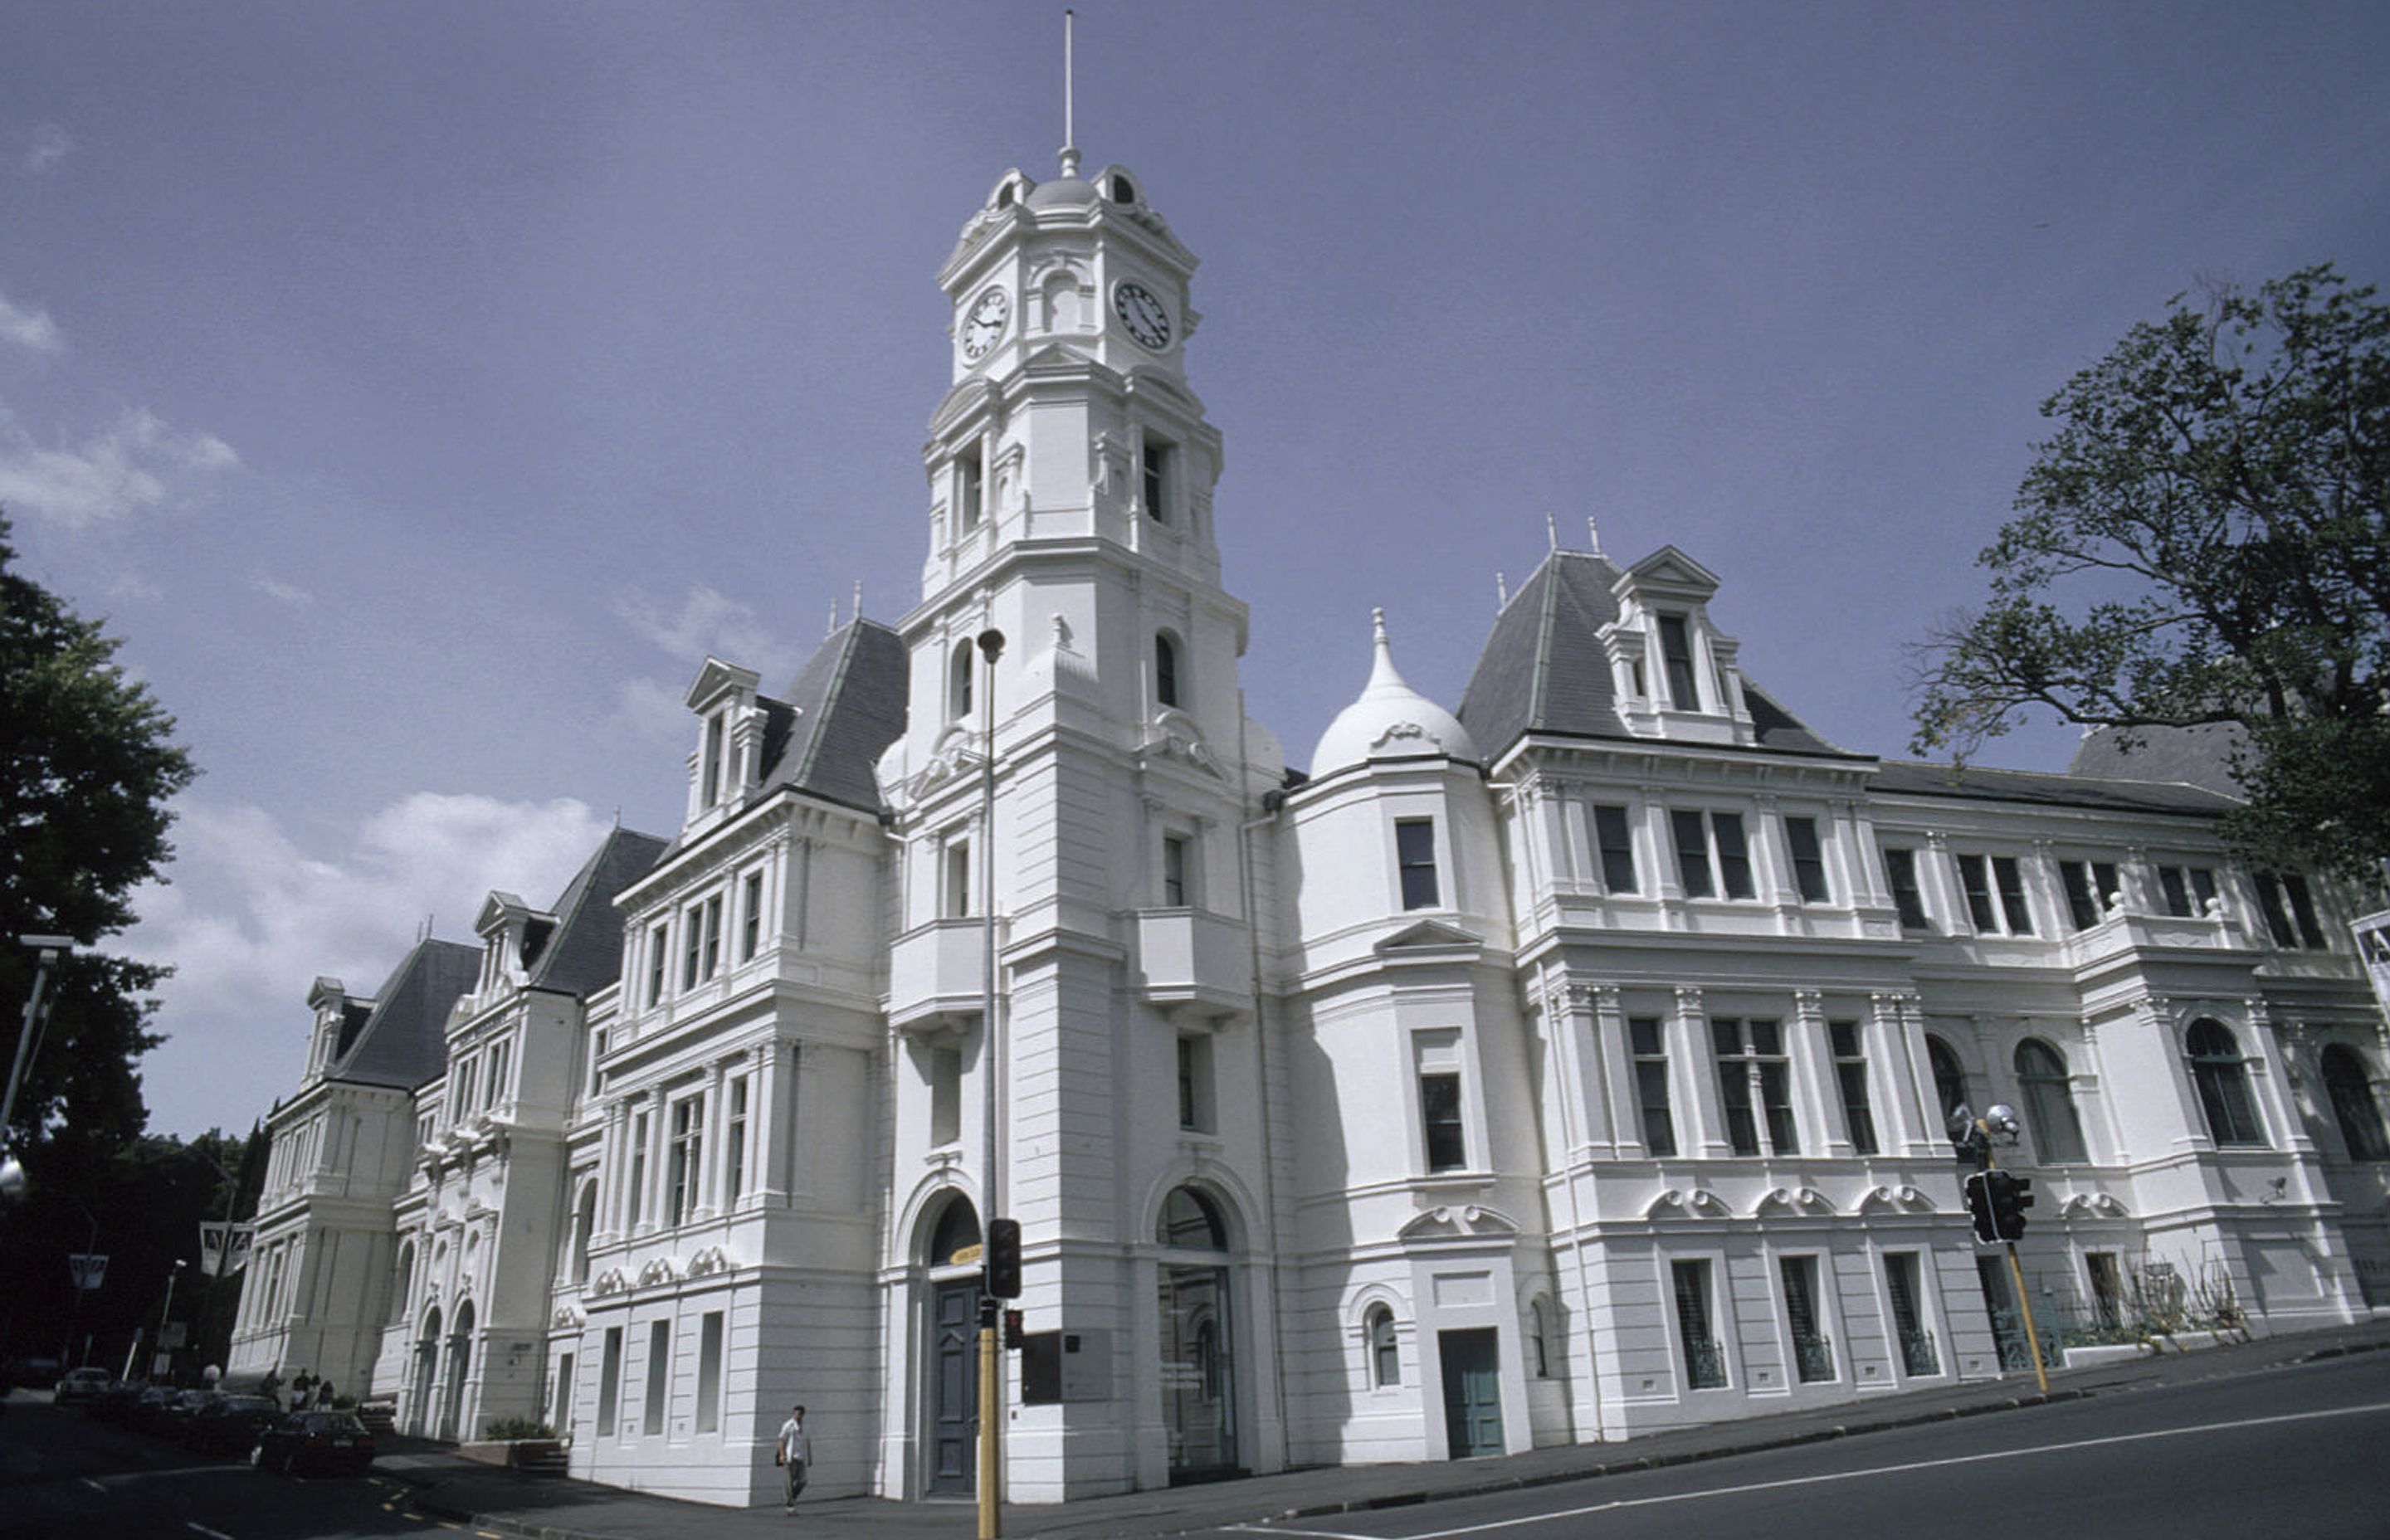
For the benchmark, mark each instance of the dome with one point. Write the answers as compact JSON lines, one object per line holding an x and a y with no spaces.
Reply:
{"x":1390,"y":721}
{"x":1068,"y":192}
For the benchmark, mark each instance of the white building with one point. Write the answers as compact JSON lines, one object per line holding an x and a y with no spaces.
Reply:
{"x":1567,"y":1065}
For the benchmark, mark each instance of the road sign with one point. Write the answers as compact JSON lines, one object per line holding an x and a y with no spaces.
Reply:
{"x":87,"y":1269}
{"x":174,"y":1334}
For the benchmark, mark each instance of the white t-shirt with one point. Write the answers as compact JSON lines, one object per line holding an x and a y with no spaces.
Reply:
{"x":796,"y":1445}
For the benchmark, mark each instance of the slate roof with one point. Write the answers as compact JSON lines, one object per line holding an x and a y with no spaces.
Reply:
{"x":2196,"y":756}
{"x":846,"y":706}
{"x":584,"y":953}
{"x":2109,"y":793}
{"x":403,"y":1042}
{"x":1543,"y":669}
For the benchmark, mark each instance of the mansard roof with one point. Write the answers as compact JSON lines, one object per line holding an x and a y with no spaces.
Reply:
{"x":2112,"y":794}
{"x":403,"y":1043}
{"x":585,"y":952}
{"x":848,"y":705}
{"x":1544,"y":670}
{"x":2195,"y":756}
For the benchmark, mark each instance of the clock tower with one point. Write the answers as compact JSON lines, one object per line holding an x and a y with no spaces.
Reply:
{"x":1071,"y":471}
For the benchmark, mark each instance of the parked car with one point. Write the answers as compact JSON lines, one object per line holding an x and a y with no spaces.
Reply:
{"x":315,"y":1441}
{"x":83,"y":1384}
{"x":115,"y":1404}
{"x":148,"y":1408}
{"x":169,"y":1416}
{"x":229,"y":1424}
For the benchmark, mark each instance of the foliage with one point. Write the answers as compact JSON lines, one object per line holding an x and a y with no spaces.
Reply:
{"x":507,"y":1428}
{"x":2206,"y":539}
{"x":88,"y":764}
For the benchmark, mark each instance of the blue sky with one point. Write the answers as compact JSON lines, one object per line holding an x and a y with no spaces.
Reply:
{"x":422,"y":389}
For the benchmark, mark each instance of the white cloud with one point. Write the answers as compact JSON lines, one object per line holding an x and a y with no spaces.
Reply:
{"x":654,"y":711}
{"x":274,"y":589}
{"x":709,"y":623}
{"x":49,"y":145}
{"x":139,"y":463}
{"x":28,"y":329}
{"x":251,"y":918}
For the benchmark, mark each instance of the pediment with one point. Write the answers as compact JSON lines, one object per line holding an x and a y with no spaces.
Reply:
{"x":716,"y":679}
{"x":1463,"y":1222}
{"x":1153,"y":379}
{"x":1173,"y":734}
{"x":1672,"y":568}
{"x":1429,"y":936}
{"x":969,"y":396}
{"x":1058,"y":357}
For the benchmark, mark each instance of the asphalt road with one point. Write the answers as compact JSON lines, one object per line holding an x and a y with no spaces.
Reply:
{"x":2301,"y":1451}
{"x":66,"y":1477}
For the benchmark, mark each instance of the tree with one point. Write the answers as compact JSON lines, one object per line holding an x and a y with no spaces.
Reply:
{"x":2206,"y":539}
{"x":88,"y":764}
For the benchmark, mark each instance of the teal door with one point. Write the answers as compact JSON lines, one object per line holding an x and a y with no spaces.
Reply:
{"x":954,"y":1390}
{"x":1472,"y":1392}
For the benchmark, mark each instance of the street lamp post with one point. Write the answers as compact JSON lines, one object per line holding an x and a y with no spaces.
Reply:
{"x":1974,"y":1138}
{"x":47,"y":952}
{"x":991,"y":648}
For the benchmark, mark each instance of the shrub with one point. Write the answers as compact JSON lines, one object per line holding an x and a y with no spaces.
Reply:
{"x":507,"y":1428}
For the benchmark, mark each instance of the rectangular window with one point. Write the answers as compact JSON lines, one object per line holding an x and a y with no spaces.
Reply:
{"x":685,"y":1159}
{"x":2091,"y":891}
{"x":1156,"y":486}
{"x":1652,"y":1084}
{"x":1975,"y":877}
{"x":751,"y":915}
{"x":959,"y":878}
{"x":494,"y":1088}
{"x":639,"y":1168}
{"x":1755,"y":1084}
{"x":709,"y":1372}
{"x":945,"y":1095}
{"x":610,"y":1381}
{"x":1900,"y":869}
{"x":1415,"y":856}
{"x":1195,"y":1084}
{"x":971,"y":489}
{"x":692,"y":925}
{"x":711,"y":773}
{"x":1812,"y":1355}
{"x":2009,"y":880}
{"x":1712,"y":855}
{"x":1995,"y":888}
{"x":1677,"y":653}
{"x":1692,"y":854}
{"x":657,"y":952}
{"x":659,"y":1375}
{"x":1440,"y":1118}
{"x":1174,"y":871}
{"x":1733,"y":854}
{"x":1808,"y":859}
{"x":1611,"y":833}
{"x":2107,"y":1286}
{"x":712,"y":935}
{"x":2303,"y":910}
{"x":1705,"y":1362}
{"x":1917,"y":1352}
{"x":596,"y":1055}
{"x":1851,"y":1074}
{"x":560,"y":1412}
{"x":734,"y":1148}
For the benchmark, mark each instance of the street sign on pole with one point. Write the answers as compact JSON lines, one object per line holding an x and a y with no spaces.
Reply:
{"x":87,"y":1269}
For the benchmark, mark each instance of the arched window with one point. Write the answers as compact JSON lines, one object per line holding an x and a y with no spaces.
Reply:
{"x":1190,"y":1223}
{"x":958,"y":683}
{"x":2351,"y":1088}
{"x":1124,"y":190}
{"x":2222,"y":1076}
{"x":1165,"y":670}
{"x":1949,"y":1080}
{"x":1385,"y":1358}
{"x":2049,"y":1103}
{"x":958,"y":1229}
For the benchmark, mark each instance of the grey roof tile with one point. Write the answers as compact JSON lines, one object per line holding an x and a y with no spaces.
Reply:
{"x":848,"y":704}
{"x":403,"y":1042}
{"x":1917,"y":779}
{"x":584,"y":954}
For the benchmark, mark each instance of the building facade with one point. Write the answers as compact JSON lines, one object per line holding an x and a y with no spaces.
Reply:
{"x":1568,"y":1064}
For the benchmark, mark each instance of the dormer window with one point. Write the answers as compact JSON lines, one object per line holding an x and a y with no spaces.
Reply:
{"x":1124,"y":190}
{"x":710,"y":772}
{"x":1676,"y":653}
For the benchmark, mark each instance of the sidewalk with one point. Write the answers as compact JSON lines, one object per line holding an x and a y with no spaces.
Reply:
{"x":546,"y":1508}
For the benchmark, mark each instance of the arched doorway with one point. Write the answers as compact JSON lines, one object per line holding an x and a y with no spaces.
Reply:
{"x":1198,"y":1339}
{"x":460,"y":1359}
{"x":949,"y":1375}
{"x":426,"y":1364}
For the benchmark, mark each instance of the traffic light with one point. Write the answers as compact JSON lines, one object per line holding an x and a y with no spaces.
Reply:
{"x":1014,"y":1331}
{"x":1979,"y":1206}
{"x":2011,"y":1195}
{"x":1003,"y":1258}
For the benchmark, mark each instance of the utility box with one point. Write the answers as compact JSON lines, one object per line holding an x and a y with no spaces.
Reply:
{"x":1065,"y":1366}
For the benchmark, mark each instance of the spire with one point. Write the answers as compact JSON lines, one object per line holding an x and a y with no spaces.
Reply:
{"x":1551,"y":531}
{"x":1381,"y":668}
{"x":1593,"y":532}
{"x":1501,"y":592}
{"x":1070,"y":135}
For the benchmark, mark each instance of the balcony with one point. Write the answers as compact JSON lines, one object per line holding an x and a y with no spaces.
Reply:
{"x":936,"y":975}
{"x":1194,"y":967}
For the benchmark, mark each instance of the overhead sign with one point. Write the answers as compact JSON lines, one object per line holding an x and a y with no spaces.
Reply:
{"x":87,"y":1269}
{"x":224,"y":1247}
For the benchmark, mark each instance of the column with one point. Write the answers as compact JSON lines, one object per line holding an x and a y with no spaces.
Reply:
{"x":717,"y":1106}
{"x":1813,"y":1066}
{"x":1701,"y":1116}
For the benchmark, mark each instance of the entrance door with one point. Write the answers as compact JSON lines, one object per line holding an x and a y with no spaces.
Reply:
{"x":1197,"y":1363}
{"x":954,"y":1389}
{"x":1472,"y":1392}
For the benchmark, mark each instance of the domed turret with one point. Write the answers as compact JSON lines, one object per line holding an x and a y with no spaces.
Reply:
{"x":1390,"y":721}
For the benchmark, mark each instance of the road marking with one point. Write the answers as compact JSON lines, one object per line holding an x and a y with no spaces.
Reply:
{"x":95,"y":1486}
{"x":2370,"y":1407}
{"x":210,"y":1534}
{"x":1314,"y":1533}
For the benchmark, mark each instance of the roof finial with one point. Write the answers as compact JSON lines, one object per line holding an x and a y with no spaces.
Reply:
{"x":1593,"y":532}
{"x":833,"y":622}
{"x":1551,"y":531}
{"x":858,"y":598}
{"x":1070,"y":135}
{"x":1378,"y":625}
{"x":1501,"y":592}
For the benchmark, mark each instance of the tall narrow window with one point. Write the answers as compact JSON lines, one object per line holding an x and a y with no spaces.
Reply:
{"x":1851,"y":1076}
{"x":1692,"y":854}
{"x":1652,"y":1084}
{"x":692,"y":925}
{"x":1415,"y":855}
{"x":1808,"y":859}
{"x":2222,"y":1077}
{"x":2353,"y":1106}
{"x":734,"y":1142}
{"x":710,"y":774}
{"x":639,"y":1168}
{"x":659,"y":1375}
{"x":1611,"y":832}
{"x":2091,"y":890}
{"x":1812,"y":1355}
{"x":945,"y":1095}
{"x":2009,"y":880}
{"x":610,"y":1381}
{"x":958,"y":877}
{"x":709,"y":1372}
{"x":1949,"y":1080}
{"x":2049,"y":1103}
{"x":685,"y":1159}
{"x":2290,"y":910}
{"x":1165,"y":670}
{"x":1539,"y":1347}
{"x":658,"y":949}
{"x":1677,"y":653}
{"x":751,"y":915}
{"x":1755,"y":1084}
{"x":712,"y":935}
{"x":1440,"y":1121}
{"x":958,"y":682}
{"x":1900,"y":1282}
{"x":1174,"y":871}
{"x":597,"y":1055}
{"x":1158,"y":457}
{"x":1386,"y":1356}
{"x":1733,"y":854}
{"x":2107,"y":1286}
{"x":971,"y":489}
{"x":1195,"y":1084}
{"x":1705,"y":1362}
{"x":1900,"y":869}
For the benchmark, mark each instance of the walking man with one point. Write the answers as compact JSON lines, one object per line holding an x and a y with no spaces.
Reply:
{"x":794,"y":1456}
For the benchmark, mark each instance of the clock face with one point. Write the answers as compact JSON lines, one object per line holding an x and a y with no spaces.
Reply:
{"x":1142,"y":314}
{"x":984,"y":324}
